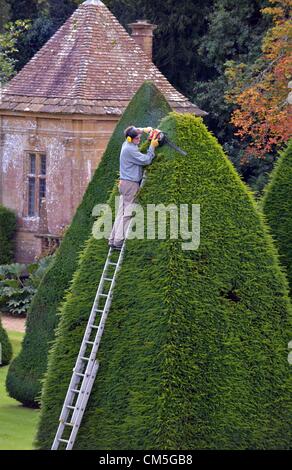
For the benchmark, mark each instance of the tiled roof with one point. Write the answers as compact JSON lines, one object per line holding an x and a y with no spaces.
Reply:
{"x":91,"y":66}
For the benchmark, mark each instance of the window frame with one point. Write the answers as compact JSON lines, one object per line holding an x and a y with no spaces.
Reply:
{"x":40,"y":173}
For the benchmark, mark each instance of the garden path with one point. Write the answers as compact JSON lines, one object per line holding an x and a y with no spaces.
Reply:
{"x":13,"y":323}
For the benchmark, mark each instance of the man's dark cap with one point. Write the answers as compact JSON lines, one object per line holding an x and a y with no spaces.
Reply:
{"x":131,"y":132}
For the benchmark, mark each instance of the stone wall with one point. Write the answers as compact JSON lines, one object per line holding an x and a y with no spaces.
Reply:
{"x":73,"y":146}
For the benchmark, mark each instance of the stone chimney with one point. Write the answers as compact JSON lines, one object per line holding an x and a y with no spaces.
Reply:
{"x":142,"y":32}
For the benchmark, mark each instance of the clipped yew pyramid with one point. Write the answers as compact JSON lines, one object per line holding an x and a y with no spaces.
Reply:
{"x":5,"y":347}
{"x":24,"y":377}
{"x":194,"y":353}
{"x":277,"y":206}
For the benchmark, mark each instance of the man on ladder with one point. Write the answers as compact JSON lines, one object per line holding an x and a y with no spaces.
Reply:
{"x":132,"y":162}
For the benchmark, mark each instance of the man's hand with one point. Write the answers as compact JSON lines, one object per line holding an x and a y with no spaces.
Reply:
{"x":154,"y":142}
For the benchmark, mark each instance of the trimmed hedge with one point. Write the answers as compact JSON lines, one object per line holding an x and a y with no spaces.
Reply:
{"x":194,"y":353}
{"x":277,"y":206}
{"x":7,"y":233}
{"x":23,"y":380}
{"x":6,"y":347}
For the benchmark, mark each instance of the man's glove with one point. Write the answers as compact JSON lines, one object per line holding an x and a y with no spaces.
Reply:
{"x":154,"y":142}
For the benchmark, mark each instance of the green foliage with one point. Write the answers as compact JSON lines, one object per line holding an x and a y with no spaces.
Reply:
{"x":5,"y":347}
{"x":234,"y":34}
{"x":180,"y":26}
{"x":7,"y":233}
{"x":60,"y":11}
{"x":15,"y":295}
{"x":19,"y":283}
{"x":46,"y":17}
{"x":277,"y":206}
{"x":23,"y":9}
{"x":5,"y":14}
{"x":194,"y":349}
{"x":42,"y":28}
{"x":8,"y":48}
{"x":237,"y":27}
{"x":23,"y":382}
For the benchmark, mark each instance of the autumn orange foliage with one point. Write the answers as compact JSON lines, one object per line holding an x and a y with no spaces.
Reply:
{"x":263,"y":117}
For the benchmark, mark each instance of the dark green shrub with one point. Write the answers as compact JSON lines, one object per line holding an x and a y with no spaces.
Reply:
{"x":194,"y":353}
{"x":7,"y":233}
{"x":277,"y":206}
{"x":5,"y":347}
{"x":23,"y":380}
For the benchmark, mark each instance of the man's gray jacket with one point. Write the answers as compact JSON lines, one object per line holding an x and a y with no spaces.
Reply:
{"x":132,"y":161}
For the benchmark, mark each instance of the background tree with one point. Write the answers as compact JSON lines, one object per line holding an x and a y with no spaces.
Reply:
{"x":234,"y":33}
{"x":235,"y":30}
{"x":5,"y":14}
{"x":8,"y":48}
{"x":262,"y":116}
{"x":180,"y":27}
{"x":22,"y":9}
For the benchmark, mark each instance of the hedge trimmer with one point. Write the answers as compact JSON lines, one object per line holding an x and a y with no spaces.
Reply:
{"x":164,"y":140}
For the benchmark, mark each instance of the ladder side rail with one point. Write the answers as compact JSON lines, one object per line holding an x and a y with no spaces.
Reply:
{"x":86,"y":396}
{"x":58,"y":435}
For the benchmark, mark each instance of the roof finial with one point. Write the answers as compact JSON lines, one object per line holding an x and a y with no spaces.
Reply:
{"x":92,"y":2}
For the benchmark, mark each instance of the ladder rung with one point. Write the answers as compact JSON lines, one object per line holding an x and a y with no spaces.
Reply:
{"x":103,"y":295}
{"x":69,"y":424}
{"x":99,"y":311}
{"x":74,"y":390}
{"x":94,"y":326}
{"x":70,"y":407}
{"x":108,"y":279}
{"x":85,"y":358}
{"x":89,"y":342}
{"x":63,"y":440}
{"x":79,"y":373}
{"x":114,"y":264}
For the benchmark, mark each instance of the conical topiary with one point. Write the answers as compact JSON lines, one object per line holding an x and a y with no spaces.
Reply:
{"x":23,"y":380}
{"x":5,"y":347}
{"x":194,"y":353}
{"x":277,"y":206}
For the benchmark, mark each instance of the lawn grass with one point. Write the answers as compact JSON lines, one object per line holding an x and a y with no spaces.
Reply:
{"x":17,"y":424}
